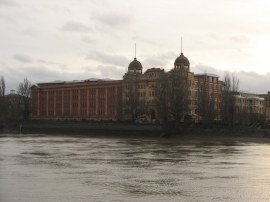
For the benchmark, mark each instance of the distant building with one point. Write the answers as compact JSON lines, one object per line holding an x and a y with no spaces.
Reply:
{"x":144,"y":85}
{"x":78,"y":100}
{"x":210,"y":85}
{"x":266,"y":105}
{"x":117,"y":99}
{"x":249,"y":107}
{"x":15,"y":105}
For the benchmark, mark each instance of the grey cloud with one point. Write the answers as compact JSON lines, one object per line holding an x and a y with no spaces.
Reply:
{"x":8,"y":3}
{"x":73,"y":26}
{"x":62,"y":66}
{"x":100,"y":2}
{"x":7,"y":18}
{"x":113,"y":19}
{"x":30,"y":32}
{"x":110,"y":72}
{"x":22,"y":58}
{"x":108,"y":59}
{"x":206,"y":69}
{"x":41,"y":73}
{"x":87,"y":39}
{"x":160,"y":60}
{"x":239,"y":39}
{"x":254,"y":82}
{"x":146,"y":41}
{"x":249,"y":81}
{"x":45,"y":62}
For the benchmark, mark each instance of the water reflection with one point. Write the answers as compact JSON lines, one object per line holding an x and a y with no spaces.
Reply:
{"x":132,"y":169}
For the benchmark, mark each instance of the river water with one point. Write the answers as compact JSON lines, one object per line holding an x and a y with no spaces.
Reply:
{"x":65,"y":168}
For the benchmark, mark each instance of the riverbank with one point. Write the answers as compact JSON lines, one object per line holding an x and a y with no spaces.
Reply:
{"x":84,"y":128}
{"x":133,"y":130}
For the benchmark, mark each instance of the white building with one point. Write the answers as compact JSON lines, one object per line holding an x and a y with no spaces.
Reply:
{"x":250,"y":103}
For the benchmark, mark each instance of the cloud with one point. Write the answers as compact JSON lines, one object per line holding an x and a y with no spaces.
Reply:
{"x":113,"y":19}
{"x":248,"y":81}
{"x":8,"y":3}
{"x":146,"y":41}
{"x":110,"y":71}
{"x":159,"y":60}
{"x":7,"y":18}
{"x":73,"y":26}
{"x":239,"y":39}
{"x":41,"y":73}
{"x":200,"y":68}
{"x":30,"y":31}
{"x":45,"y":62}
{"x":108,"y":59}
{"x":254,"y":82}
{"x":87,"y":39}
{"x":22,"y":58}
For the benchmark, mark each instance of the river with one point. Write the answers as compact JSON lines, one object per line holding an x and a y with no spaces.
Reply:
{"x":65,"y":168}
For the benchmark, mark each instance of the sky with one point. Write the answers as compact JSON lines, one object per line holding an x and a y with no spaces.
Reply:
{"x":75,"y":40}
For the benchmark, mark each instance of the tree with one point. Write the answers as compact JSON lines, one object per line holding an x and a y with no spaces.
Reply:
{"x":119,"y":105}
{"x":2,"y":86}
{"x":25,"y":92}
{"x":130,"y":92}
{"x":162,"y":98}
{"x":178,"y":94}
{"x":205,"y":101}
{"x":231,"y":88}
{"x":171,"y":99}
{"x":3,"y":102}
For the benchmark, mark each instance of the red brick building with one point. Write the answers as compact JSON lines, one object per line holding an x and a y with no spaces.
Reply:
{"x":126,"y":99}
{"x":79,"y":100}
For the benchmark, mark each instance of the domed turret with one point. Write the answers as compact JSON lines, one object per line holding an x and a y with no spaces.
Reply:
{"x":135,"y":66}
{"x":181,"y":62}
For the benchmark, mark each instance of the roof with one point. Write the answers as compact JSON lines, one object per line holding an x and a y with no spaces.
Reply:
{"x":78,"y":82}
{"x":207,"y":74}
{"x":11,"y":95}
{"x":182,"y":60}
{"x":135,"y":64}
{"x":154,"y":70}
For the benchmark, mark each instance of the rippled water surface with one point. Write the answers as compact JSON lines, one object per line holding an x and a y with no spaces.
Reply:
{"x":64,"y":168}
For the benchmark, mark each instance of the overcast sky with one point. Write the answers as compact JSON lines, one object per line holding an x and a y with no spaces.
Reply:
{"x":72,"y":40}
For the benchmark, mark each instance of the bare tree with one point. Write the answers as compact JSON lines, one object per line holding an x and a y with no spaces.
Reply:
{"x":3,"y":102}
{"x":2,"y":86}
{"x":24,"y":88}
{"x":25,"y":92}
{"x":231,"y":88}
{"x":205,"y":101}
{"x":119,"y":105}
{"x":162,"y":98}
{"x":178,"y":97}
{"x":171,"y":100}
{"x":131,"y":99}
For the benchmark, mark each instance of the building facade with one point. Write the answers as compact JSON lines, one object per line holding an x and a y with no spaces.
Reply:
{"x":249,"y":108}
{"x":146,"y":85}
{"x":266,"y":105}
{"x":250,"y":103}
{"x":80,"y":100}
{"x":133,"y":98}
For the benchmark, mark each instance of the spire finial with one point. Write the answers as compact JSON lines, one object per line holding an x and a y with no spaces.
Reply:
{"x":135,"y":50}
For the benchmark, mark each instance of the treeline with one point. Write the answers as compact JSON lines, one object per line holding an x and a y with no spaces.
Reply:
{"x":14,"y":107}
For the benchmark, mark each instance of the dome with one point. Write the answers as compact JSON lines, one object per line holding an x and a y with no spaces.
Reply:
{"x":181,"y":60}
{"x":135,"y":65}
